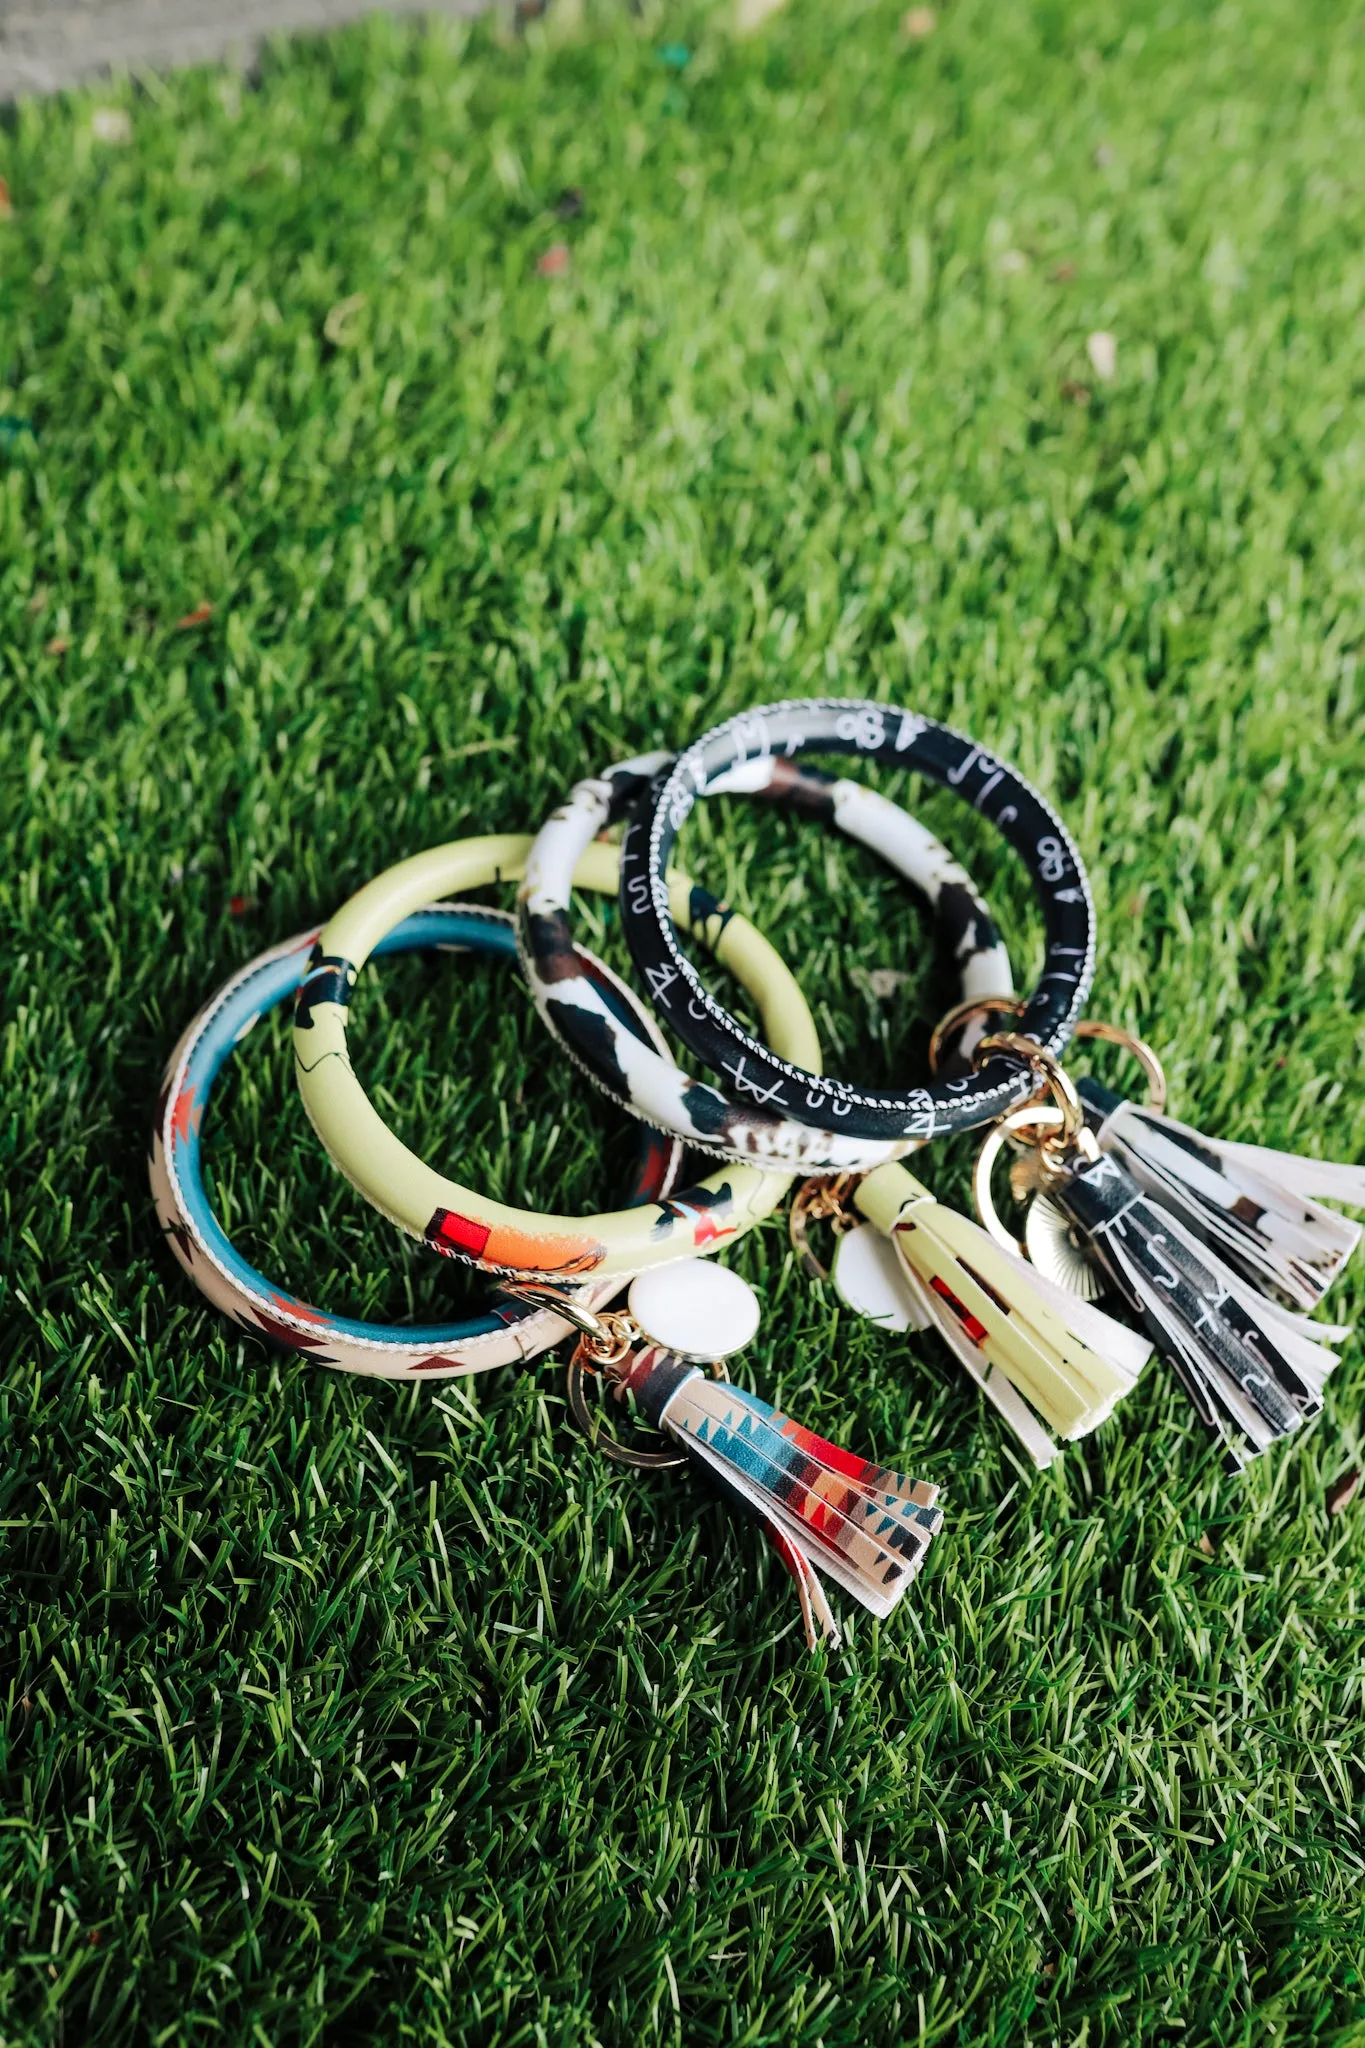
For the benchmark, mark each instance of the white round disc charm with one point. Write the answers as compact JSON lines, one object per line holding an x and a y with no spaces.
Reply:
{"x":868,"y":1278}
{"x":698,"y":1310}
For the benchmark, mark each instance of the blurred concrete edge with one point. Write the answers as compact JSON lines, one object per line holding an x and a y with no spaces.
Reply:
{"x":46,"y":45}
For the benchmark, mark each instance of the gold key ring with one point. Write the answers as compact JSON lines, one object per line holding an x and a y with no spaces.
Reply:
{"x":820,"y":1201}
{"x":1030,"y":1117}
{"x":1114,"y":1034}
{"x":1011,"y":1006}
{"x":585,"y":1359}
{"x":612,"y":1332}
{"x":605,"y":1341}
{"x":1062,"y":1120}
{"x":1047,"y":1070}
{"x":967,"y":1012}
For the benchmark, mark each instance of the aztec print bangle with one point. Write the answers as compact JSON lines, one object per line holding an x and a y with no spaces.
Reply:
{"x":455,"y":1220}
{"x":746,"y":753}
{"x":741,"y":1125}
{"x":510,"y":1332}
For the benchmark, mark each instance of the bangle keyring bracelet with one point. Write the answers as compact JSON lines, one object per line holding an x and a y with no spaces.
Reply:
{"x":740,"y":1124}
{"x":455,"y":1220}
{"x":737,"y":757}
{"x":511,"y":1331}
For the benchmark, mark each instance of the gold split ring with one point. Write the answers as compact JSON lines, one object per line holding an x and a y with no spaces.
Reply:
{"x":819,"y":1201}
{"x":1029,"y":1117}
{"x":1012,"y":1006}
{"x":963,"y":1013}
{"x":1047,"y":1070}
{"x":585,"y":1359}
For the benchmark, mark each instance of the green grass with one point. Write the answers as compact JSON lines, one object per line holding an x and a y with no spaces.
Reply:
{"x":341,"y":1712}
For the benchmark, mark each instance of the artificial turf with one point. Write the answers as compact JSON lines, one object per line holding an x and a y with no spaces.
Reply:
{"x":334,"y":1710}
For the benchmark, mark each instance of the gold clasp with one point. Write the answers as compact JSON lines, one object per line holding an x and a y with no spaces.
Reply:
{"x":822,"y":1199}
{"x":1054,"y":1130}
{"x":1012,"y":1006}
{"x":604,"y":1346}
{"x":588,"y":1358}
{"x":1052,"y":1079}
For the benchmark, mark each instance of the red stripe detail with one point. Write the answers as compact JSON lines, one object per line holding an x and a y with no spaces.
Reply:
{"x":185,"y":1116}
{"x":975,"y":1330}
{"x":462,"y":1233}
{"x":847,"y":1462}
{"x":298,"y":1308}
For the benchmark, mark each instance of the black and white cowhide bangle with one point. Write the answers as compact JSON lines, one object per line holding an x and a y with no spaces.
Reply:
{"x":742,"y":1122}
{"x":752,"y":752}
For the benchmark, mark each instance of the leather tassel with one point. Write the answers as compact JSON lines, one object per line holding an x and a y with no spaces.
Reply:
{"x":822,"y":1508}
{"x":1253,"y":1370}
{"x":1254,"y":1207}
{"x":1035,"y":1350}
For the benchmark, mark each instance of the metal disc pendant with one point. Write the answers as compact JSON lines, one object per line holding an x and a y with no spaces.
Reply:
{"x":695,"y":1309}
{"x":1054,"y":1251}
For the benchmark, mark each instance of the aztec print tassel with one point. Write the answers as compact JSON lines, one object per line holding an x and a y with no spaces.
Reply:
{"x":865,"y":1527}
{"x":1253,"y":1370}
{"x":1251,"y":1206}
{"x":1034,"y":1349}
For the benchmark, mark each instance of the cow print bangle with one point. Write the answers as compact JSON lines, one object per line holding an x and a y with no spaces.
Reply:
{"x":746,"y":753}
{"x":740,"y":1124}
{"x":511,"y":1331}
{"x":461,"y":1222}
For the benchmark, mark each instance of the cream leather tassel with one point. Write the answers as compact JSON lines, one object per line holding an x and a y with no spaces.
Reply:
{"x":1035,"y":1350}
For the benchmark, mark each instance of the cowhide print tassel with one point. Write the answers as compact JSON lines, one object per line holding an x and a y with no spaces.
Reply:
{"x":823,"y":1509}
{"x":1053,"y":1365}
{"x":1254,"y":1371}
{"x":1257,"y":1209}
